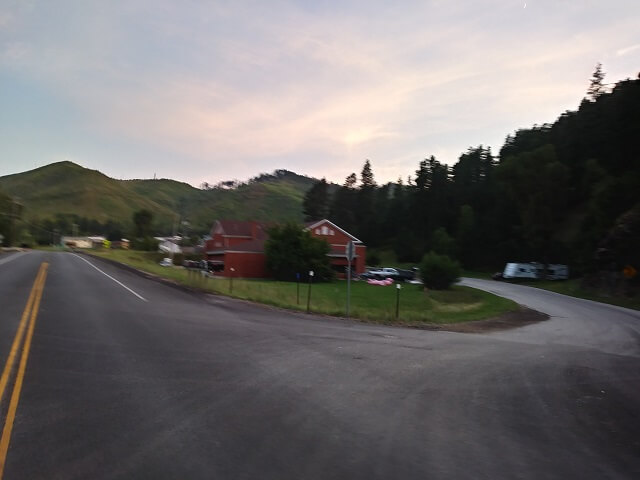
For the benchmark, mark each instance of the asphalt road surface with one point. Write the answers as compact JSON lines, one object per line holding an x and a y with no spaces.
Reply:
{"x":127,"y":378}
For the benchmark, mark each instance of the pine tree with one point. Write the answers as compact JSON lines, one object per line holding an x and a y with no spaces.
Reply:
{"x":596,"y":87}
{"x":366,"y":176}
{"x":316,"y":201}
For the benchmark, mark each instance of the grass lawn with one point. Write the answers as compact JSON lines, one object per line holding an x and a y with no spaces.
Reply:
{"x":368,"y":302}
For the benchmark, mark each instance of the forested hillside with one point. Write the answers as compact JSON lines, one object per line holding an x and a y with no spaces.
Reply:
{"x":564,"y":192}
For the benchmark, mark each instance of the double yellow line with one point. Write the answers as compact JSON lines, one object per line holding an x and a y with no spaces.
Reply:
{"x":28,"y":323}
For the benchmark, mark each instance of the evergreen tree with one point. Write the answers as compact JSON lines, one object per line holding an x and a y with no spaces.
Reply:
{"x":596,"y":87}
{"x":366,"y":177}
{"x":343,"y":204}
{"x":365,"y":218}
{"x":316,"y":201}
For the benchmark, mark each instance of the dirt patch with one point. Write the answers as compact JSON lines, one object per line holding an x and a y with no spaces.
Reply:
{"x":518,"y":318}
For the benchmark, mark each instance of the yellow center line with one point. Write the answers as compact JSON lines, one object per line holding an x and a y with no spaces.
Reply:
{"x":4,"y":379}
{"x":17,"y":388}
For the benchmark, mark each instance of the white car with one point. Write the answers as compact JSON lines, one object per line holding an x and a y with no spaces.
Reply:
{"x":166,"y":262}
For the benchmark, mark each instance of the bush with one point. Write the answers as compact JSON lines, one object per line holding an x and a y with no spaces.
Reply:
{"x":439,"y":271}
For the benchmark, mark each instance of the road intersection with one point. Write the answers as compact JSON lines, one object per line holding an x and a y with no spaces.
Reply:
{"x":169,"y":384}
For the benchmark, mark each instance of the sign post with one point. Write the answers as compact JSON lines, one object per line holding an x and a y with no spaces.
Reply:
{"x":350,"y":253}
{"x":309,"y":291}
{"x":397,"y":300}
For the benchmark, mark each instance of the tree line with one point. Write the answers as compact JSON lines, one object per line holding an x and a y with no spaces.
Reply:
{"x":554,"y":193}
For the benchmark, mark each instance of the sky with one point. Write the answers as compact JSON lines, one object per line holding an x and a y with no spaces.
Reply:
{"x":205,"y":91}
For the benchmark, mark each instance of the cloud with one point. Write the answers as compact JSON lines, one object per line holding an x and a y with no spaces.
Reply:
{"x":627,"y":50}
{"x":238,"y":89}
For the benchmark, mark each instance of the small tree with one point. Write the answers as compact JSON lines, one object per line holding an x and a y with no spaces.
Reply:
{"x":439,"y":271}
{"x":142,"y":223}
{"x":442,"y":242}
{"x":142,"y":239}
{"x":291,"y":250}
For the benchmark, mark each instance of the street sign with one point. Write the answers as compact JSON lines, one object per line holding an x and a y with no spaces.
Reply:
{"x":350,"y":251}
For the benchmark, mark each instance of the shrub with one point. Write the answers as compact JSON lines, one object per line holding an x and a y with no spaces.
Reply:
{"x":439,"y":271}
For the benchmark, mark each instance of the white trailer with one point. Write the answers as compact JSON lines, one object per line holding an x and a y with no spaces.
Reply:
{"x":535,"y":271}
{"x":520,"y":270}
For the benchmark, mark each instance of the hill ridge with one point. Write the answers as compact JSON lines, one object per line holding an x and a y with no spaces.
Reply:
{"x":67,"y":189}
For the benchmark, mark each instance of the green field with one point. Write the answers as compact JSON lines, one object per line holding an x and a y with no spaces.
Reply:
{"x":368,"y":302}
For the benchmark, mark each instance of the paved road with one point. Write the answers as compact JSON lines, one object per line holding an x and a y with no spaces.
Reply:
{"x":574,"y":321}
{"x":152,"y":382}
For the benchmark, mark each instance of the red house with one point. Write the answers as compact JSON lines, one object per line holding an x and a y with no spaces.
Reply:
{"x":237,"y":248}
{"x":337,"y":239}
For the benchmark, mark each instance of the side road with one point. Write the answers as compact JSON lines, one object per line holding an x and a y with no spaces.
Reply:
{"x":573,"y":321}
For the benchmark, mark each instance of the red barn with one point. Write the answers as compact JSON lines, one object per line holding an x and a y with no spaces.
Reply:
{"x":237,"y":247}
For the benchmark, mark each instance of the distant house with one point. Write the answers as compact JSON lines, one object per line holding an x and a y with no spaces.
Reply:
{"x":83,"y":242}
{"x":337,"y":238}
{"x":237,"y":247}
{"x":122,"y":244}
{"x":76,"y":242}
{"x":168,"y":246}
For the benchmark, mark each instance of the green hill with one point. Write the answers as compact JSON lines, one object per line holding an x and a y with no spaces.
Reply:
{"x":68,"y":189}
{"x":65,"y":190}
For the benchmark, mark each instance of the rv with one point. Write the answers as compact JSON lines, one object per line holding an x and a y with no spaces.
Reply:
{"x":535,"y":271}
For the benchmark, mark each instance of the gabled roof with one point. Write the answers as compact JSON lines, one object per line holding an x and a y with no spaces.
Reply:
{"x":250,"y":246}
{"x":238,"y":228}
{"x":312,"y":225}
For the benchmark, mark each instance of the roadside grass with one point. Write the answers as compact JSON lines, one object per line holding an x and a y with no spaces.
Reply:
{"x":477,"y":274}
{"x":368,"y":302}
{"x":573,"y":288}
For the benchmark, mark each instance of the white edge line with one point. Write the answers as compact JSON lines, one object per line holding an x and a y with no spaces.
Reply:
{"x":11,"y":257}
{"x":107,"y":275}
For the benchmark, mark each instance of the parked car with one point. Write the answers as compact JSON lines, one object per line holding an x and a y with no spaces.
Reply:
{"x":390,"y":272}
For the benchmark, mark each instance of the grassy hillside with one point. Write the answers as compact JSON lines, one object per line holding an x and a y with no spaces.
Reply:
{"x":65,"y":188}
